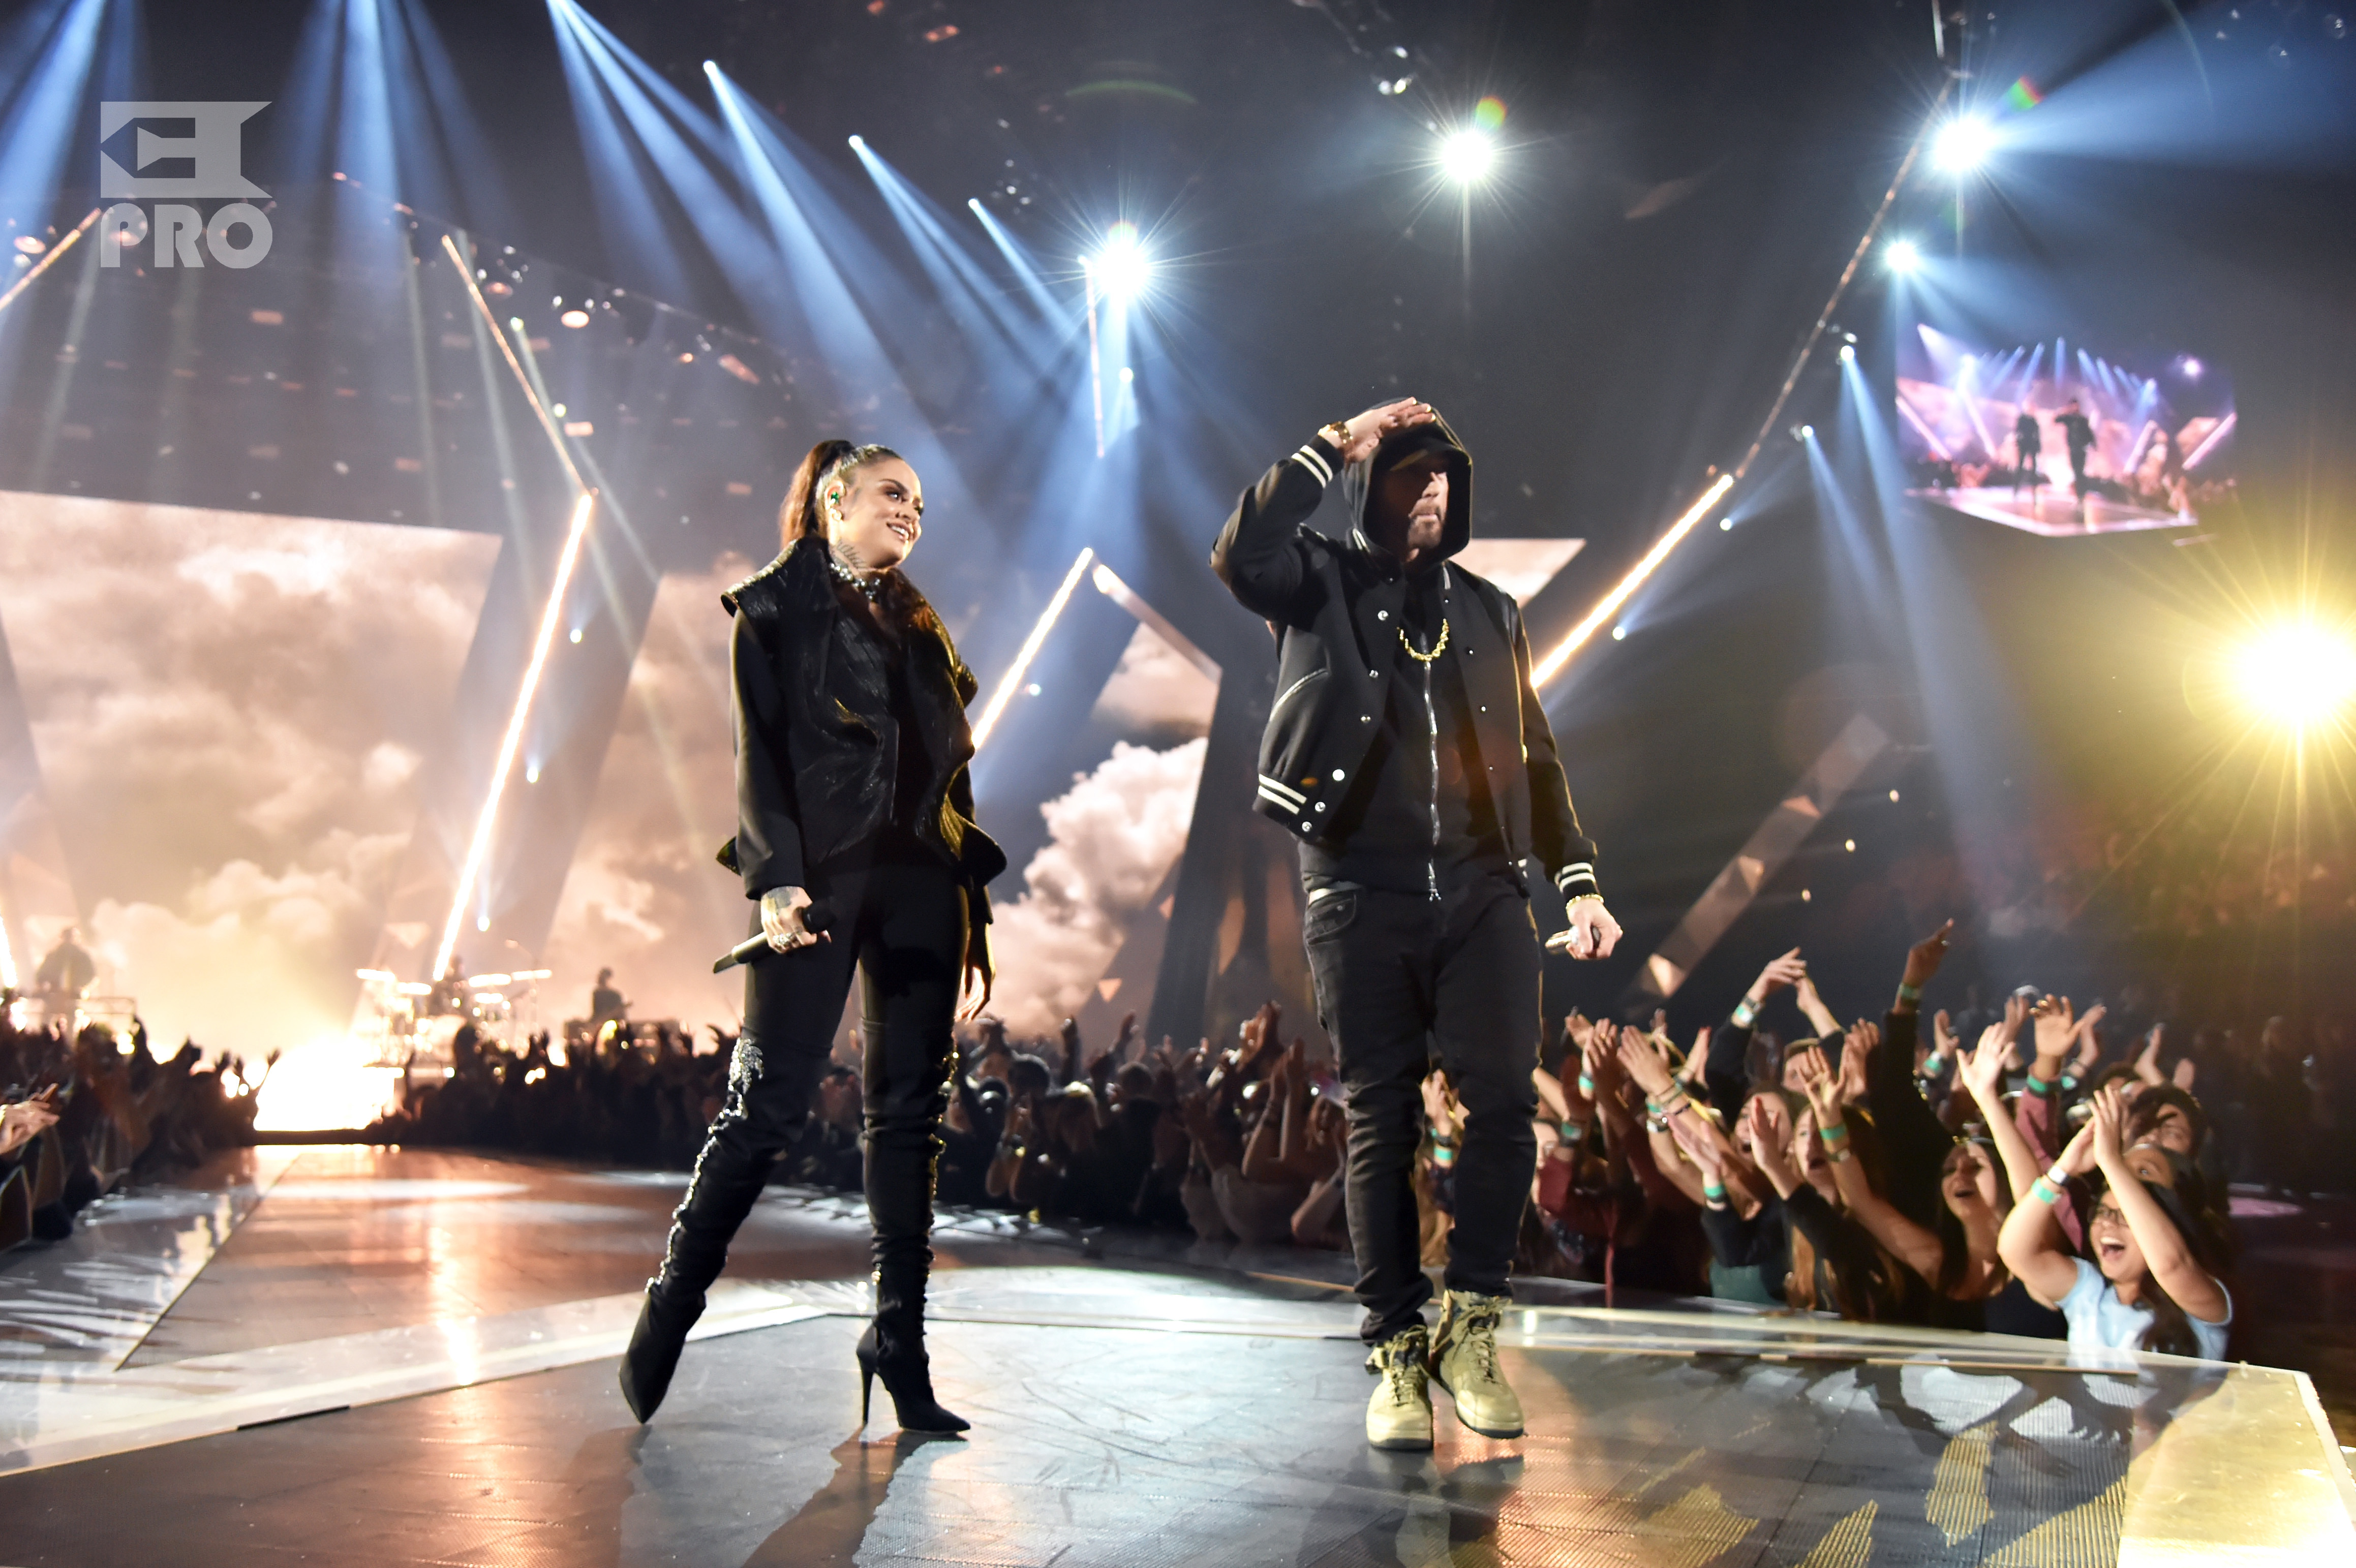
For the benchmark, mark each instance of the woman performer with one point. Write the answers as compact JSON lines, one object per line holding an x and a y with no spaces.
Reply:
{"x":855,"y":831}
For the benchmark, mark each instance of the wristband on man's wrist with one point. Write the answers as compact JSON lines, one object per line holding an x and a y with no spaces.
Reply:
{"x":1744,"y":1012}
{"x":2038,"y":1085}
{"x":1713,"y":1188}
{"x":1587,"y":1086}
{"x":1573,"y":1132}
{"x":1907,"y":993}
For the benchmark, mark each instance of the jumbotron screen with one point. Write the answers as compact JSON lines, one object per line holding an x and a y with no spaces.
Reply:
{"x":2055,"y":429}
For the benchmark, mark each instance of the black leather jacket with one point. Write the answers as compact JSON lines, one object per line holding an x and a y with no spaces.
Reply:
{"x":1334,"y":606}
{"x":816,"y":741}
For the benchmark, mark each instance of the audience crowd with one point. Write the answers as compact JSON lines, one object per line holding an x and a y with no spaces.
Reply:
{"x":2021,"y":1165}
{"x":81,"y":1115}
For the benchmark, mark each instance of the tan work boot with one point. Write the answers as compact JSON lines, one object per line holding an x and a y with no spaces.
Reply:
{"x":1399,"y":1414}
{"x":1464,"y":1363}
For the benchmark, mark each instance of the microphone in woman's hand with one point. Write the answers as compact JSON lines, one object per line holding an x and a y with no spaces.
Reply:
{"x":817,"y":919}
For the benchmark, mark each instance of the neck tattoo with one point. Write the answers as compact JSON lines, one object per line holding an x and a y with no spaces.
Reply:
{"x":846,"y":567}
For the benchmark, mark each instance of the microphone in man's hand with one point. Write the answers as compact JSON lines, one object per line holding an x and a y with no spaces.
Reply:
{"x":817,"y":919}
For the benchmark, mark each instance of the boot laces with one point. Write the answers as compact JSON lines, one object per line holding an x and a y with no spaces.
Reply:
{"x":1478,"y":1336}
{"x":1400,"y":1360}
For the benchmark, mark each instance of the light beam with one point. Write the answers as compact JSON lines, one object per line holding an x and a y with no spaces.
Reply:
{"x":1029,"y":649}
{"x":1549,"y":667}
{"x":549,"y":618}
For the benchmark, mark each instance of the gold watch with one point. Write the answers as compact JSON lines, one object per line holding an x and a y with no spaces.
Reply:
{"x":1337,"y":433}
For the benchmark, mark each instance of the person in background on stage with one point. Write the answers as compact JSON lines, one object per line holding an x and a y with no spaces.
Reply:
{"x":2028,"y":447}
{"x":2080,"y":437}
{"x":1408,"y":752}
{"x":63,"y":978}
{"x":606,"y":1005}
{"x":853,"y":800}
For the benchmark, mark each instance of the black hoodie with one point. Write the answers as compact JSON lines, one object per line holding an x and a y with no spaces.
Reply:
{"x":1337,"y":607}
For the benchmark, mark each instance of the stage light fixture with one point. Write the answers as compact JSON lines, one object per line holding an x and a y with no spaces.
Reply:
{"x":1121,"y":267}
{"x":2297,"y":676}
{"x":1848,"y":353}
{"x":1902,"y":256}
{"x":1964,"y":144}
{"x":1467,"y":155}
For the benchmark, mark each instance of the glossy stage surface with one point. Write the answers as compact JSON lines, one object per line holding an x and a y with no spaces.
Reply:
{"x":347,"y":1356}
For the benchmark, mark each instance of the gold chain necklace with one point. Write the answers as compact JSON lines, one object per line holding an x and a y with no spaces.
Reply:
{"x":1438,"y":648}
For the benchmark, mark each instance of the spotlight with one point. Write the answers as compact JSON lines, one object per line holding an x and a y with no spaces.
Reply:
{"x":1122,"y":269}
{"x":2190,"y":367}
{"x":1848,"y":353}
{"x":858,"y":143}
{"x":1725,"y":524}
{"x":1468,"y":155}
{"x":1964,"y":144}
{"x":1619,"y":634}
{"x":1902,"y":256}
{"x":2297,"y":676}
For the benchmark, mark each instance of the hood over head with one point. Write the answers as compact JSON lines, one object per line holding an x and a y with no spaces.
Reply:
{"x":1432,"y":443}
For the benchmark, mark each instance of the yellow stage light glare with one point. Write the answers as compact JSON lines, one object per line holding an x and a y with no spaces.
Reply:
{"x":2297,"y":676}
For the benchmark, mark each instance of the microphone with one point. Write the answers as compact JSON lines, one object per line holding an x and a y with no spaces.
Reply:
{"x":817,"y":919}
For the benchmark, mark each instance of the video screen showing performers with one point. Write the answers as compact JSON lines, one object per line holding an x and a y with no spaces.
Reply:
{"x":2054,"y":437}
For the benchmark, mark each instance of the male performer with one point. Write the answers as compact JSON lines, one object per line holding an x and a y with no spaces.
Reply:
{"x":1408,"y":752}
{"x":2027,"y":446}
{"x":2078,"y":432}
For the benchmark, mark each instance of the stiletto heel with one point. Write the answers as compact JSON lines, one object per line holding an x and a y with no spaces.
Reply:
{"x":893,"y":1348}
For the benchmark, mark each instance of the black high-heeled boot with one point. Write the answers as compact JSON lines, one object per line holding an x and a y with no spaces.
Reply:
{"x":654,"y":1345}
{"x":893,"y":1348}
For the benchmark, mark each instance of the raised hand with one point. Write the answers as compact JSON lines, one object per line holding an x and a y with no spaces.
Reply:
{"x":1923,"y":959}
{"x":1982,"y":1071}
{"x":1943,"y":1034}
{"x":1781,"y":973}
{"x":2090,"y":1042}
{"x":2108,"y":1124}
{"x":2078,"y":1158}
{"x":2146,"y":1063}
{"x":1863,"y":1039}
{"x":1817,"y":1081}
{"x":1643,"y":1063}
{"x":1812,"y":1003}
{"x":1368,"y":428}
{"x":2057,"y":1026}
{"x":1770,"y":1142}
{"x":2016,"y":1016}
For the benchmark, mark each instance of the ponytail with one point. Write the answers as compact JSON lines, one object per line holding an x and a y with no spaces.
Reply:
{"x":798,"y":518}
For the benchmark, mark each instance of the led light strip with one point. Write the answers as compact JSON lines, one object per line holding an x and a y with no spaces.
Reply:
{"x":475,"y":851}
{"x":56,"y":250}
{"x":1014,"y":681}
{"x":1550,"y":667}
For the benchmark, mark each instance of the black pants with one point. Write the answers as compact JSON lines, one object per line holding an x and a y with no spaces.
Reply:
{"x":1402,"y":977}
{"x":901,"y":920}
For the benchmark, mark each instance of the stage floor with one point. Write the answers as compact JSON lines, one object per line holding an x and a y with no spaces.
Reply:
{"x":2054,"y":512}
{"x":349,"y":1355}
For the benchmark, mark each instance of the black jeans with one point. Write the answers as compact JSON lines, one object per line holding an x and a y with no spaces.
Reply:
{"x":1401,"y":978}
{"x":901,"y":920}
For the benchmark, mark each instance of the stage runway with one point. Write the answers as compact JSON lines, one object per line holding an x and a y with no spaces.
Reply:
{"x":350,"y":1356}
